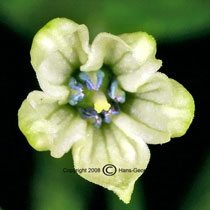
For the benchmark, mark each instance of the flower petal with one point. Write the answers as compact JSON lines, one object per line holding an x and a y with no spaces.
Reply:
{"x":143,"y":45}
{"x":49,"y":126}
{"x":131,"y":57}
{"x":57,"y":50}
{"x":131,"y":81}
{"x":143,"y":48}
{"x":109,"y":145}
{"x":105,"y":49}
{"x":162,"y":108}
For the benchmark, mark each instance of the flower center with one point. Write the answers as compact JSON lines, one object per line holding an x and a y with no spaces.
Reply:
{"x":96,"y":95}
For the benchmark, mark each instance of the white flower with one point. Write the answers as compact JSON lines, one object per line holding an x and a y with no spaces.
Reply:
{"x":106,"y":101}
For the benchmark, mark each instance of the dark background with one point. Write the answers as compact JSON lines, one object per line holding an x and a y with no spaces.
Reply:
{"x":173,"y":167}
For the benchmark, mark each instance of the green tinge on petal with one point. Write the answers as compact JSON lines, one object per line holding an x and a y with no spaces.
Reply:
{"x":181,"y":111}
{"x":138,"y":130}
{"x":143,"y":45}
{"x":48,"y":125}
{"x":57,"y":50}
{"x":53,"y":75}
{"x":131,"y":81}
{"x":109,"y":145}
{"x":161,"y":109}
{"x":105,"y":49}
{"x":124,"y":53}
{"x":131,"y":57}
{"x":132,"y":73}
{"x":63,"y":35}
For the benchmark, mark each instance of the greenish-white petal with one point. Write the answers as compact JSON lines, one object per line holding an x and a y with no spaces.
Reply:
{"x":181,"y":110}
{"x":130,"y":56}
{"x":105,"y":49}
{"x":48,"y":125}
{"x":162,"y":108}
{"x":131,"y":81}
{"x":57,"y":50}
{"x":109,"y":145}
{"x":143,"y":45}
{"x":63,"y":35}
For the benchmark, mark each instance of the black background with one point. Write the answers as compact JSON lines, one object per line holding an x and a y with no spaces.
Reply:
{"x":173,"y":166}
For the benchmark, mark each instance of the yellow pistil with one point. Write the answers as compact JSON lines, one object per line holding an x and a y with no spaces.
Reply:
{"x":100,"y":102}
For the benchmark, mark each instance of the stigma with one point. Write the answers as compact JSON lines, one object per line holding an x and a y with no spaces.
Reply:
{"x":100,"y":102}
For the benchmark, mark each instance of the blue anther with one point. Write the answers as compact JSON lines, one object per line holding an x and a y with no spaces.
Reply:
{"x":75,"y":99}
{"x":98,"y":122}
{"x":112,"y":89}
{"x":73,"y":84}
{"x":114,"y":110}
{"x":100,"y":76}
{"x":106,"y":116}
{"x":120,"y":98}
{"x":112,"y":92}
{"x":84,"y":77}
{"x":88,"y":113}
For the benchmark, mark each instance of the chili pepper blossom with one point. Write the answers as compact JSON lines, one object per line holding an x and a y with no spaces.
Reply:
{"x":105,"y":101}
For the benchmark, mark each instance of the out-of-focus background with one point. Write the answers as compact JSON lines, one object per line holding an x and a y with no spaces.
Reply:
{"x":178,"y":175}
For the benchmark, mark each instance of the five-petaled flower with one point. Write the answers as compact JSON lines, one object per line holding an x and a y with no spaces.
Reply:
{"x":105,"y":101}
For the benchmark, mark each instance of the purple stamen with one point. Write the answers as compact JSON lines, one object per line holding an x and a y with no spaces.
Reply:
{"x":90,"y":113}
{"x":114,"y":110}
{"x":112,"y":92}
{"x":98,"y":122}
{"x":73,"y":84}
{"x":100,"y":76}
{"x":84,"y":77}
{"x":106,"y":116}
{"x":112,"y":89}
{"x":75,"y":99}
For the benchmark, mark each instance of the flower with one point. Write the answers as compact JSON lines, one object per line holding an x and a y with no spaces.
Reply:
{"x":106,"y":101}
